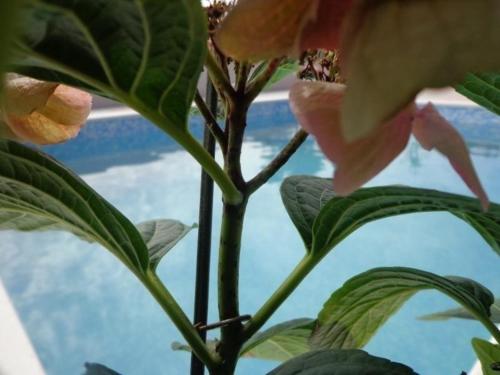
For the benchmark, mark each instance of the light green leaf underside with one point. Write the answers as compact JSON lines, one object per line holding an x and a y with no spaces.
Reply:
{"x":484,"y":89}
{"x":286,"y":68}
{"x":354,"y":313}
{"x":462,"y":313}
{"x":341,"y":362}
{"x":145,"y":53}
{"x":488,"y":354}
{"x":38,"y":194}
{"x":161,"y":236}
{"x":280,"y":342}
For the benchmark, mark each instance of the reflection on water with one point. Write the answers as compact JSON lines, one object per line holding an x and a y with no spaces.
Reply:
{"x":79,"y":304}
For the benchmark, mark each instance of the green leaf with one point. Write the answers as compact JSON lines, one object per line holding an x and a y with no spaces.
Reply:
{"x":341,"y":362}
{"x":462,"y":313}
{"x":37,"y":194}
{"x":145,"y":53}
{"x":280,"y":342}
{"x":489,"y":356}
{"x":324,"y":220}
{"x":354,"y":313}
{"x":484,"y":89}
{"x":97,"y":369}
{"x":160,"y":236}
{"x":303,"y":197}
{"x":286,"y":68}
{"x":9,"y":11}
{"x":342,"y":216}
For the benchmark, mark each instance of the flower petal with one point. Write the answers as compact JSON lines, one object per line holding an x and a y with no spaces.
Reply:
{"x":433,"y":132}
{"x":324,"y":30}
{"x":24,"y":95}
{"x":317,"y":107}
{"x":262,"y":29}
{"x":68,"y":106}
{"x":41,"y":130}
{"x":393,"y":49}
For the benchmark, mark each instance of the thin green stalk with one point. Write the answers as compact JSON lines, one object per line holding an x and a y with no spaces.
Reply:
{"x":219,"y":79}
{"x":181,"y":321}
{"x":489,"y":325}
{"x":305,"y":266}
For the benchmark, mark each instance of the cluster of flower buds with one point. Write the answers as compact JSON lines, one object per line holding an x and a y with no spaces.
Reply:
{"x":320,"y":65}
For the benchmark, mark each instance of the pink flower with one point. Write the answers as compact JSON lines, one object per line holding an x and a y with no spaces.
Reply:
{"x":317,"y":106}
{"x":42,"y":112}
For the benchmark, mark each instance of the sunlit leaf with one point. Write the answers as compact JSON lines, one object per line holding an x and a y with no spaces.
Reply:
{"x":39,"y":194}
{"x":161,"y":236}
{"x":488,"y":354}
{"x":280,"y":342}
{"x":354,"y":313}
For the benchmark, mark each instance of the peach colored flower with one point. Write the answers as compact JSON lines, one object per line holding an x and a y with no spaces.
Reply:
{"x":317,"y":106}
{"x":42,"y":112}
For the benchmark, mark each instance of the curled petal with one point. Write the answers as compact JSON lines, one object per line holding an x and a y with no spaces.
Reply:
{"x":317,"y":107}
{"x":43,"y":112}
{"x":325,"y":29}
{"x":263,"y":29}
{"x":24,"y":95}
{"x":433,"y":132}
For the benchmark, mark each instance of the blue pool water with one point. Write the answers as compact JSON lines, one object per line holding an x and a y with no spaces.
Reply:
{"x":79,"y":304}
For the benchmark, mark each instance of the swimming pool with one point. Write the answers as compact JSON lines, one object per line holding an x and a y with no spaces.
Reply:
{"x":79,"y":304}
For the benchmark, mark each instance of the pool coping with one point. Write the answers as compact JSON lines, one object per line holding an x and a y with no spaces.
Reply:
{"x":446,"y":96}
{"x":19,"y":355}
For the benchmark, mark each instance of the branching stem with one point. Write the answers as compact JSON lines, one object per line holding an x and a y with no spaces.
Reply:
{"x":211,"y":121}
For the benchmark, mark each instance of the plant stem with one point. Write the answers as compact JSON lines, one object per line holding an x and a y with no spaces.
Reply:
{"x":218,"y":77}
{"x":305,"y":266}
{"x":489,"y":325}
{"x":181,"y":321}
{"x":229,"y":259}
{"x":279,"y":161}
{"x":211,"y":121}
{"x":258,"y":84}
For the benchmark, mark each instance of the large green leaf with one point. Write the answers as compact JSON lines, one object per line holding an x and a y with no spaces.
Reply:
{"x":462,"y":313}
{"x":145,"y":53}
{"x":484,"y":89}
{"x":8,"y":18}
{"x":341,"y":362}
{"x":354,"y":313}
{"x":280,"y":342}
{"x":37,"y":193}
{"x":489,"y":356}
{"x":303,"y":197}
{"x":324,"y":220}
{"x":161,"y":236}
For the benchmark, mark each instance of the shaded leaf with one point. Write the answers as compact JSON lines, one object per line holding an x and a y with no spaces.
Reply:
{"x":342,"y":216}
{"x":387,"y":65}
{"x":98,"y":369}
{"x":160,"y":236}
{"x":280,"y":342}
{"x":37,"y":194}
{"x":145,"y":53}
{"x":484,"y":89}
{"x":341,"y":362}
{"x":9,"y":11}
{"x":462,"y":313}
{"x":354,"y":313}
{"x":303,"y":197}
{"x":488,"y":354}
